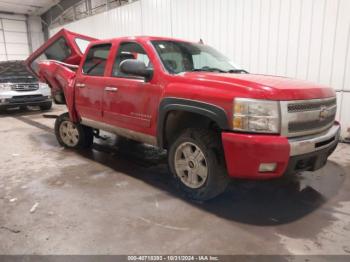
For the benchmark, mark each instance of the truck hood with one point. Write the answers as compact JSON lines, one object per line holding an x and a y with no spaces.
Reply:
{"x":263,"y":86}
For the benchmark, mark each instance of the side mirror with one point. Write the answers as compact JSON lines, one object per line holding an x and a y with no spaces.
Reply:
{"x":136,"y":67}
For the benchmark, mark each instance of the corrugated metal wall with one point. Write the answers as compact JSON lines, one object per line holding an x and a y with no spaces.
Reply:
{"x":15,"y":41}
{"x":13,"y":38}
{"x":305,"y":39}
{"x":36,"y":35}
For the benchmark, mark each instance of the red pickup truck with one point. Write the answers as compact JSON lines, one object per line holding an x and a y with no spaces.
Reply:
{"x":216,"y":120}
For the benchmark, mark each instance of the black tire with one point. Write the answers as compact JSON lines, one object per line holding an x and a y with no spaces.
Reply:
{"x":209,"y":144}
{"x":85,"y":134}
{"x":46,"y":106}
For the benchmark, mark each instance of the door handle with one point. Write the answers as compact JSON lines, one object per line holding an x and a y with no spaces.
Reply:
{"x":111,"y":89}
{"x":80,"y":85}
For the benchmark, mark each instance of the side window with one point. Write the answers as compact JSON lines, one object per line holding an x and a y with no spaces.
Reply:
{"x":96,"y":60}
{"x":129,"y":50}
{"x":59,"y":50}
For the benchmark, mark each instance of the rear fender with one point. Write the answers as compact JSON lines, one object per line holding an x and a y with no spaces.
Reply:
{"x":61,"y":79}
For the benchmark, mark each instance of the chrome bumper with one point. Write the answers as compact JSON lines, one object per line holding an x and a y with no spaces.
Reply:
{"x":305,"y":145}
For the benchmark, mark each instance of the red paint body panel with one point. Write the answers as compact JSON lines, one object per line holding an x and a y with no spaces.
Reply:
{"x":134,"y":106}
{"x":60,"y":78}
{"x":245,"y":152}
{"x":88,"y":100}
{"x":262,"y":86}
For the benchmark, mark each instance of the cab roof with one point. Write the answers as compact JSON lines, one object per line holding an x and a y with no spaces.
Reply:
{"x":138,"y":38}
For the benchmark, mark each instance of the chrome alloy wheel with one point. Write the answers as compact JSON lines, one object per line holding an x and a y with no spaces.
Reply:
{"x":69,"y":133}
{"x":191,"y":165}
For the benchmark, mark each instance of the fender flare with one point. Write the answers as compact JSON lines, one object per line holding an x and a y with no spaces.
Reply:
{"x":213,"y":112}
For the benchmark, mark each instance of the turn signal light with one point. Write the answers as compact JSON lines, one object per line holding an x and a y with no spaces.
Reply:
{"x":238,"y":122}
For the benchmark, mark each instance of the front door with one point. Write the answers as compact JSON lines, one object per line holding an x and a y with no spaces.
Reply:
{"x":131,"y":102}
{"x":89,"y":85}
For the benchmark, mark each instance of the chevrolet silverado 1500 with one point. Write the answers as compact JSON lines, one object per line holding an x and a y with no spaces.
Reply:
{"x":215,"y":120}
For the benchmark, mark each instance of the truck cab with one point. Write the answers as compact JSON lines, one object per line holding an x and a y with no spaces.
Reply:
{"x":216,"y":120}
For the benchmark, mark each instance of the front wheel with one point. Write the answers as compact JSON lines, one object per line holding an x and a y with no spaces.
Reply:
{"x":72,"y":135}
{"x":197,"y":162}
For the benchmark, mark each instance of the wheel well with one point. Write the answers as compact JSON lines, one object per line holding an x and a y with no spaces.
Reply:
{"x":58,"y":95}
{"x":177,"y":121}
{"x":59,"y":98}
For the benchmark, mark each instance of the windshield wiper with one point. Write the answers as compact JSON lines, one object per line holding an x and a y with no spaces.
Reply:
{"x":208,"y":69}
{"x":237,"y":71}
{"x":214,"y":69}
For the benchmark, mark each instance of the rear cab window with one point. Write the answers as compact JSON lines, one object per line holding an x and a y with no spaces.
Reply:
{"x":96,"y":60}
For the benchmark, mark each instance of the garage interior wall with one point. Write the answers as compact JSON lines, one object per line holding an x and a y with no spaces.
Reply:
{"x":304,"y":39}
{"x":19,"y":35}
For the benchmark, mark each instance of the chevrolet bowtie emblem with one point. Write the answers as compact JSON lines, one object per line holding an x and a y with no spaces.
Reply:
{"x":324,"y":113}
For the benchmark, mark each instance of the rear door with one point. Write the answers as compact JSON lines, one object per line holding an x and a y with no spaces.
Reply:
{"x":90,"y":82}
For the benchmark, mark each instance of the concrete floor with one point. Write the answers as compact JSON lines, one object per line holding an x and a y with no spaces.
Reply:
{"x":118,"y":199}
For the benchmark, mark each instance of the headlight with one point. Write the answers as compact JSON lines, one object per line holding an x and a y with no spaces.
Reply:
{"x":5,"y":87}
{"x":253,"y":115}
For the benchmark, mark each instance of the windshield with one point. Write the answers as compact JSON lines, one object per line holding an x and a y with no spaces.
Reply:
{"x":178,"y":57}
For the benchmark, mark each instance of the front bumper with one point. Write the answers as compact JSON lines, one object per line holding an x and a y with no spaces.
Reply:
{"x":245,"y":152}
{"x":38,"y":97}
{"x":25,"y":101}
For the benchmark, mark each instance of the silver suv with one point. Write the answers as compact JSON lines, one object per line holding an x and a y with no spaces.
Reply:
{"x":18,"y":88}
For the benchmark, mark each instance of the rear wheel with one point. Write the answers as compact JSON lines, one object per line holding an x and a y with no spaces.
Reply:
{"x":197,"y":163}
{"x":72,"y":135}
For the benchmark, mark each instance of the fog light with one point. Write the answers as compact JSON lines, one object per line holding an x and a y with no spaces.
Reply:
{"x":267,"y":167}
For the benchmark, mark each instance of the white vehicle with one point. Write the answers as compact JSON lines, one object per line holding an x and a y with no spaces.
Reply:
{"x":18,"y":88}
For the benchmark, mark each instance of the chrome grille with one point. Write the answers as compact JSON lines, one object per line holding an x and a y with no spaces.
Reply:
{"x":24,"y":86}
{"x":303,"y":126}
{"x":311,"y":105}
{"x":307,"y":117}
{"x":26,"y":99}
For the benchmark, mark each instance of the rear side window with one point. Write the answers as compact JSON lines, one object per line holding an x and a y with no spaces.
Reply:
{"x":59,"y":50}
{"x":96,"y":60}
